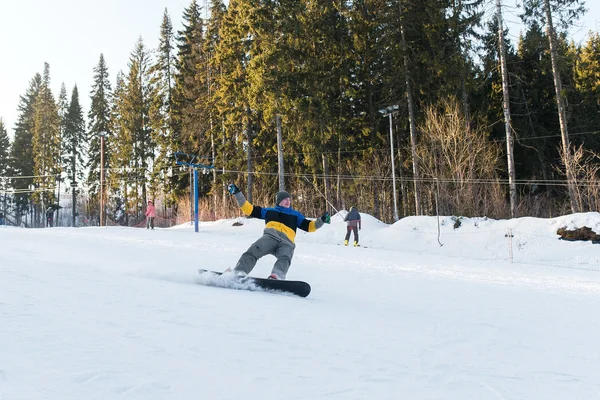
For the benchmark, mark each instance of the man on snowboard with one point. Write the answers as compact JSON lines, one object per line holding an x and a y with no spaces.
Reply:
{"x":278,"y":237}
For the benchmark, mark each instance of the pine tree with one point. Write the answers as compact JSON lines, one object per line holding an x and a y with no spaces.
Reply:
{"x":22,"y":149}
{"x":233,"y":54}
{"x":132,"y":145}
{"x":211,"y":42}
{"x":99,"y":129}
{"x":4,"y":148}
{"x":63,"y":108}
{"x":464,"y":21}
{"x":558,"y":14}
{"x":74,"y":140}
{"x":74,"y":145}
{"x":161,"y":83}
{"x":62,"y":104}
{"x":4,"y":160}
{"x":120,"y":150}
{"x":186,"y":117}
{"x":374,"y":82}
{"x":365,"y":18}
{"x":139,"y":89}
{"x":312,"y":68}
{"x":533,"y":108}
{"x":46,"y":144}
{"x":489,"y":93}
{"x":587,"y":83}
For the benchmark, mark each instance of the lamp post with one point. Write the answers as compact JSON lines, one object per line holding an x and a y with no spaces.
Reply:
{"x":389,"y":111}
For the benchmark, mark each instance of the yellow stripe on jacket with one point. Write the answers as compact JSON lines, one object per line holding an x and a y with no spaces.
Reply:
{"x":284,"y":221}
{"x":278,"y":226}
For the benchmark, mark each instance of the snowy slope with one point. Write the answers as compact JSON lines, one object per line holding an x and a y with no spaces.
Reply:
{"x":117,"y":313}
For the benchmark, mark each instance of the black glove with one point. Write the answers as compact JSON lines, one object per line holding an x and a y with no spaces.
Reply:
{"x":232,"y":188}
{"x":326,"y":218}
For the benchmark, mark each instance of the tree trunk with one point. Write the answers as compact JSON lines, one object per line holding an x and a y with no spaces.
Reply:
{"x":562,"y":115}
{"x":326,"y":180}
{"x":214,"y":171}
{"x":249,"y":160}
{"x":74,"y":187}
{"x":507,"y":118}
{"x":338,"y":190}
{"x":411,"y":119}
{"x":280,"y":154}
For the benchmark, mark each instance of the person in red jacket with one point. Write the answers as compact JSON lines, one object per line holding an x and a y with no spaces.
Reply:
{"x":150,"y":215}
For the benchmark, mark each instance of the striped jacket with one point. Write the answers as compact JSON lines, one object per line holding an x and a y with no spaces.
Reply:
{"x":280,"y":219}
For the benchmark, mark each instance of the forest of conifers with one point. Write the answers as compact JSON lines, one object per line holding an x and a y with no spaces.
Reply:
{"x":426,"y":97}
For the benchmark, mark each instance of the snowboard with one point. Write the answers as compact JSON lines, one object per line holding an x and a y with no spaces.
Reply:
{"x":299,"y":288}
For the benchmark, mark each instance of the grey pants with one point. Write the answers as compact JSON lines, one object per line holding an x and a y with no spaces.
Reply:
{"x":281,"y":248}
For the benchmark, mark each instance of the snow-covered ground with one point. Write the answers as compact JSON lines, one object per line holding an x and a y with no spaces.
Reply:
{"x":490,"y":310}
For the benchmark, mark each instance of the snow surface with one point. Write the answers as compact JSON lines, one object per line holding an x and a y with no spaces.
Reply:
{"x":502,"y":310}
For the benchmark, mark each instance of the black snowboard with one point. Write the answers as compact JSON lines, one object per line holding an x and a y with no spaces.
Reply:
{"x":298,"y":288}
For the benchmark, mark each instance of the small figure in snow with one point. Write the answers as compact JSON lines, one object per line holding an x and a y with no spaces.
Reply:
{"x":150,"y":215}
{"x":49,"y":217}
{"x":353,"y":225}
{"x":278,"y":236}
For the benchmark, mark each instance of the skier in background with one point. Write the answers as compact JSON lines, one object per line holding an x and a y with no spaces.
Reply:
{"x":50,"y":217}
{"x":278,"y":236}
{"x":150,"y":215}
{"x":353,"y":225}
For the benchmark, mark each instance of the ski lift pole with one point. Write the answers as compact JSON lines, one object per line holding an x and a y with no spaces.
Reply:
{"x":180,"y":159}
{"x":196,"y":200}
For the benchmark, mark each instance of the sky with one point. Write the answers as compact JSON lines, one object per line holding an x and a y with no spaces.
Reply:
{"x":70,"y":35}
{"x":121,"y":313}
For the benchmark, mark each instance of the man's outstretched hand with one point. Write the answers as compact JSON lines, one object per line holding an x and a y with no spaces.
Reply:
{"x":232,"y":188}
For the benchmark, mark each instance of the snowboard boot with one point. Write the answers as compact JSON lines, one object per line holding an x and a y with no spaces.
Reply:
{"x":273,"y":276}
{"x":355,"y":244}
{"x":345,"y":243}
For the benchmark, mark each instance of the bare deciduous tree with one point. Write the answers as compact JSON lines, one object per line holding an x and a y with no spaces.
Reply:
{"x":586,"y":167}
{"x":464,"y":162}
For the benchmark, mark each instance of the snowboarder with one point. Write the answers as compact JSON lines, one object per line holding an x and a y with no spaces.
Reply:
{"x":353,"y":225}
{"x":150,"y":215}
{"x":278,"y":236}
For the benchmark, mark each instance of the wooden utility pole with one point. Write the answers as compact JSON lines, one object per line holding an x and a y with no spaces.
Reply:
{"x":280,"y":154}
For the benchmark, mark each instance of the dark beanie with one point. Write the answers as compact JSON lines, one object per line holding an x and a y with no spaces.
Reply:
{"x":280,"y":196}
